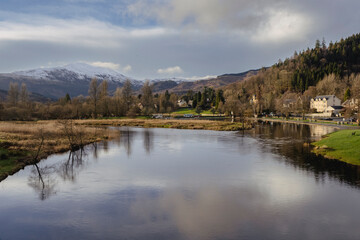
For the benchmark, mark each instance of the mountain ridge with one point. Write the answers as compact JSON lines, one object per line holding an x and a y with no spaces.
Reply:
{"x":74,"y":79}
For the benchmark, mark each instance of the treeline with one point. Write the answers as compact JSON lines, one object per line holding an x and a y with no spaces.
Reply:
{"x":209,"y":98}
{"x":99,"y":103}
{"x":310,"y":66}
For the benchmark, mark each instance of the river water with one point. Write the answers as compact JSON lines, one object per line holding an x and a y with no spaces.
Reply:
{"x":187,"y":184}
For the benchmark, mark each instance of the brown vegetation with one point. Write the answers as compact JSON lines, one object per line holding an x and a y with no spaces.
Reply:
{"x":28,"y":142}
{"x":169,"y":123}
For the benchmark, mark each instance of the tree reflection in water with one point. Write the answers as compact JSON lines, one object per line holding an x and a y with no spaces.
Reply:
{"x":148,"y":140}
{"x":69,"y":169}
{"x":43,"y":181}
{"x":292,"y":141}
{"x":126,"y":139}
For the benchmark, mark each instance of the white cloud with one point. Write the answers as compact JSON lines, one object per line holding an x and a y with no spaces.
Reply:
{"x":170,"y":70}
{"x":268,"y":20}
{"x":284,"y":26}
{"x":194,"y":78}
{"x":83,"y":32}
{"x":208,"y":14}
{"x":127,"y":68}
{"x":110,"y":65}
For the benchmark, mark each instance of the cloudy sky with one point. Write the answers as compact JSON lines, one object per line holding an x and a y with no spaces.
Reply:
{"x":163,"y":38}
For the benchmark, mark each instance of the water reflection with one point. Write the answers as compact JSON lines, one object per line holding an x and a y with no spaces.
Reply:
{"x":126,"y":138}
{"x":43,"y":181}
{"x":148,"y":140}
{"x":292,"y":142}
{"x":181,"y":184}
{"x":43,"y":176}
{"x":69,"y":169}
{"x":210,"y":212}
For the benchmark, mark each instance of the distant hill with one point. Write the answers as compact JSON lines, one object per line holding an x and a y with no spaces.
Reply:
{"x":33,"y":97}
{"x":183,"y":86}
{"x":74,"y":79}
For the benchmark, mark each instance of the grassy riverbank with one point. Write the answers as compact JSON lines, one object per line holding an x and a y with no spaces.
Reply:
{"x":24,"y":143}
{"x":342,"y":145}
{"x":169,"y":123}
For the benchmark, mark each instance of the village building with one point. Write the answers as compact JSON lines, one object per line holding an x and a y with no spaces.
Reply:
{"x":182,"y":103}
{"x":321,"y":103}
{"x":289,"y":103}
{"x":334,"y":110}
{"x":351,"y":103}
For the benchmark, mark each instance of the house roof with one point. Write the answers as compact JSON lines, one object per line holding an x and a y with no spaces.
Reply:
{"x":336,"y":107}
{"x":324,"y":96}
{"x":346,"y":102}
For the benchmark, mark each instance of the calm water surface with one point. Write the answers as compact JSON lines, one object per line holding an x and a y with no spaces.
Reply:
{"x":186,"y":184}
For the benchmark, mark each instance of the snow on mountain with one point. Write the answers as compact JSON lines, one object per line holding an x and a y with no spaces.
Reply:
{"x":76,"y":71}
{"x":83,"y":71}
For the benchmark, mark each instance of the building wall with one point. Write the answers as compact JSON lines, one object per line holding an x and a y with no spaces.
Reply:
{"x":321,"y":104}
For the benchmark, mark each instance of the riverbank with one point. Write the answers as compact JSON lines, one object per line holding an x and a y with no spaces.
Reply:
{"x":342,"y":145}
{"x":169,"y":123}
{"x":307,"y":122}
{"x":25,"y":143}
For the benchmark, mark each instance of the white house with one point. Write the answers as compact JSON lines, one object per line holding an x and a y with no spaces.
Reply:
{"x":182,"y":103}
{"x":334,"y":110}
{"x":321,"y":103}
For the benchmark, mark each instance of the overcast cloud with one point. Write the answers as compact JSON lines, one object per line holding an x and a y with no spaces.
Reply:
{"x":157,"y":38}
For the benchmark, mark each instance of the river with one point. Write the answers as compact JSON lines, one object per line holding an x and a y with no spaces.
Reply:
{"x":187,"y":184}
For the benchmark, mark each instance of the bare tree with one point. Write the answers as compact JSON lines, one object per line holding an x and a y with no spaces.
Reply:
{"x":24,"y":95}
{"x":13,"y":94}
{"x":356,"y":95}
{"x":94,"y":94}
{"x":127,"y":93}
{"x":147,"y":98}
{"x":75,"y":135}
{"x":104,"y":98}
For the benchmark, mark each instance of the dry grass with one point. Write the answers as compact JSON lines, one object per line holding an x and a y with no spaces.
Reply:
{"x":27,"y":135}
{"x":171,"y":123}
{"x":20,"y":141}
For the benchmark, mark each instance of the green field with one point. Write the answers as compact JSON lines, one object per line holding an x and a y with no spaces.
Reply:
{"x":9,"y":160}
{"x":342,"y":145}
{"x":190,"y":111}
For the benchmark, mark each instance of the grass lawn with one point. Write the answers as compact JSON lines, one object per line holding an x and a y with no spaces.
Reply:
{"x":342,"y":145}
{"x":190,"y":111}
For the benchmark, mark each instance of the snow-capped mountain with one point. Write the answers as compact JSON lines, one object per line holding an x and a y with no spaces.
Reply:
{"x":73,"y":79}
{"x":76,"y":72}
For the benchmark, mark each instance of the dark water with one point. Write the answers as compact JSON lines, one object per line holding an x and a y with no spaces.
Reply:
{"x":185,"y":184}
